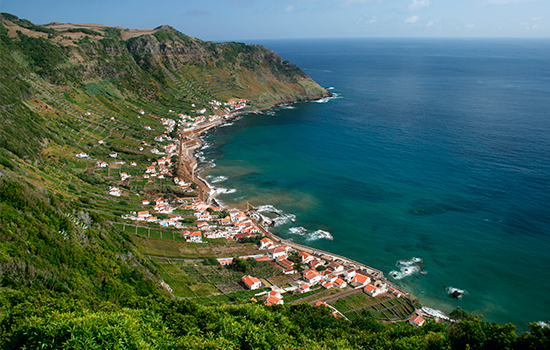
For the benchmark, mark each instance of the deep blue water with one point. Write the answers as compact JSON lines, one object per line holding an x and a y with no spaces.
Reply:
{"x":437,"y":149}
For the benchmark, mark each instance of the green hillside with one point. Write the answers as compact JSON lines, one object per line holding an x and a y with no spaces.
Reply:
{"x":75,"y":274}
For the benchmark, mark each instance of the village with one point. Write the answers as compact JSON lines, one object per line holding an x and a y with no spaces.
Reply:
{"x":200,"y":221}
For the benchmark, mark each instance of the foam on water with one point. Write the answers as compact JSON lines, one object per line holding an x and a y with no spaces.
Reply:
{"x":221,"y":190}
{"x":434,"y":312}
{"x":218,"y":179}
{"x":320,"y":234}
{"x":268,"y":208}
{"x":297,"y":230}
{"x":406,"y":268}
{"x":284,"y":219}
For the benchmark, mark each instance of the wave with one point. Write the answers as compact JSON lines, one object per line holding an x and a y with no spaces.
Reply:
{"x":456,"y":293}
{"x":268,"y":208}
{"x":310,"y":236}
{"x":298,"y":230}
{"x":227,"y":124}
{"x":320,"y":234}
{"x":283,"y":219}
{"x":218,"y":179}
{"x":326,"y":99}
{"x":434,"y":312}
{"x":221,"y":190}
{"x":407,"y":268}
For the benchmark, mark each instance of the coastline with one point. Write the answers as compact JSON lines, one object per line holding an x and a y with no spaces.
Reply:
{"x":207,"y":192}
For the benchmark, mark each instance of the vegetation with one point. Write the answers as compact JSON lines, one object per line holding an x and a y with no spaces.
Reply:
{"x":73,"y":275}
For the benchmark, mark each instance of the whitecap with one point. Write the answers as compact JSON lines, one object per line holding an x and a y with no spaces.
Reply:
{"x":227,"y":124}
{"x":284,"y":219}
{"x":219,"y":179}
{"x":407,"y":268}
{"x":435,"y":312}
{"x":405,"y":271}
{"x":298,"y":230}
{"x":268,"y":208}
{"x":320,"y":234}
{"x":222,"y":190}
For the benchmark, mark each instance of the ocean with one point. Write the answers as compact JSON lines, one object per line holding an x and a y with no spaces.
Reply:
{"x":437,"y":149}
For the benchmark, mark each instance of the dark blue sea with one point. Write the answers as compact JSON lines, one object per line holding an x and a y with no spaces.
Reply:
{"x":434,"y":149}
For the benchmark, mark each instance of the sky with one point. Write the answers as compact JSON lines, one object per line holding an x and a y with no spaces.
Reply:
{"x":233,"y":20}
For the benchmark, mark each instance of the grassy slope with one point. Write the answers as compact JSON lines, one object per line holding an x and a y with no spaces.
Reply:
{"x":68,"y":278}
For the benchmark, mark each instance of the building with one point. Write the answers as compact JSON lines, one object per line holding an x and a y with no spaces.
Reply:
{"x":266,"y":243}
{"x":372,"y":290}
{"x":416,"y":321}
{"x":251,"y":282}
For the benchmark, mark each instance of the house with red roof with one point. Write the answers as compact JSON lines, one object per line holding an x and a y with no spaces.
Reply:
{"x":273,"y":301}
{"x":195,"y":237}
{"x":279,"y":251}
{"x":224,"y":221}
{"x":315,"y":263}
{"x":372,"y":290}
{"x":359,"y":280}
{"x":251,"y":282}
{"x":306,"y":258}
{"x":349,"y":274}
{"x":266,"y":243}
{"x":284,"y":262}
{"x":312,"y":277}
{"x":339,"y":283}
{"x":416,"y":321}
{"x":203,"y":226}
{"x":304,"y":288}
{"x":225,"y":261}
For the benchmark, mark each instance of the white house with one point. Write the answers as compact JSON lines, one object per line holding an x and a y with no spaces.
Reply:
{"x":252,"y":282}
{"x":266,"y":243}
{"x":279,"y":251}
{"x":312,"y":277}
{"x":372,"y":290}
{"x":114,"y":191}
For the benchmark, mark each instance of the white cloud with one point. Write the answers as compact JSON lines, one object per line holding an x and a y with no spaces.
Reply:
{"x":418,"y":4}
{"x":430,"y":23}
{"x":412,"y":19}
{"x":470,"y":26}
{"x":534,"y":19}
{"x":290,"y":8}
{"x":363,"y":19}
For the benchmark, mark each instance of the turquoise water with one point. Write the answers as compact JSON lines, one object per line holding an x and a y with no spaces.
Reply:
{"x":436,"y":149}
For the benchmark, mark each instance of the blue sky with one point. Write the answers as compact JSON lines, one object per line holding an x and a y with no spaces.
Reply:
{"x":219,"y":20}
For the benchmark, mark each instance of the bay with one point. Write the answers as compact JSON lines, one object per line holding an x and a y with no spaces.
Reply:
{"x":436,"y":149}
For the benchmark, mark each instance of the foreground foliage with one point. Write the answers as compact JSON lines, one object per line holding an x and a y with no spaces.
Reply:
{"x":38,"y":319}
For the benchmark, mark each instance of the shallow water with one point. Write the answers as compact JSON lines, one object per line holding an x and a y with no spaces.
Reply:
{"x":437,"y":149}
